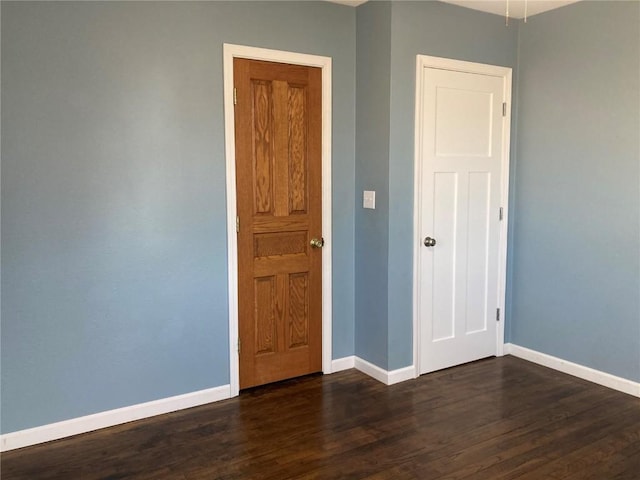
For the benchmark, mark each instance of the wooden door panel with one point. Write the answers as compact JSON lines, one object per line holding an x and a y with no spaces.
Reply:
{"x":280,"y":224}
{"x":280,"y":243}
{"x":277,"y":266}
{"x":265,"y":318}
{"x":298,"y":310}
{"x":262,"y":123}
{"x":278,"y":174}
{"x":298,"y":192}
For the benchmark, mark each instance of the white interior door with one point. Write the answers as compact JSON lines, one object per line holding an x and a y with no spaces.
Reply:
{"x":461,"y":154}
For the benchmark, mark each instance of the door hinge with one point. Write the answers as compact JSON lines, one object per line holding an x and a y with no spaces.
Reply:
{"x":504,"y":109}
{"x":497,"y":314}
{"x":238,"y":345}
{"x":237,"y":224}
{"x":501,"y":214}
{"x":235,"y":96}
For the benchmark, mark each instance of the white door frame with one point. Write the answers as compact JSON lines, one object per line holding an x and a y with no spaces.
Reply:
{"x":239,"y":51}
{"x":422,"y":62}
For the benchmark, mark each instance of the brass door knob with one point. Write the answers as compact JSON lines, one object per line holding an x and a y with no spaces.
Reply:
{"x":429,"y":242}
{"x":317,"y":242}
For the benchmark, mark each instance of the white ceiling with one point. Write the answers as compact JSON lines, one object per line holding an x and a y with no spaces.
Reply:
{"x":516,"y":7}
{"x":351,"y":3}
{"x":499,"y":7}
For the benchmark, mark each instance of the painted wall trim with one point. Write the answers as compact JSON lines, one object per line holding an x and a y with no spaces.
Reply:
{"x":239,"y":51}
{"x":110,"y":418}
{"x":425,"y":61}
{"x":88,"y":423}
{"x":586,"y":373}
{"x":387,"y":377}
{"x":345,"y":363}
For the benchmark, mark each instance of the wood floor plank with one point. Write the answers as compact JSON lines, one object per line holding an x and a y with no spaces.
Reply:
{"x":500,"y":418}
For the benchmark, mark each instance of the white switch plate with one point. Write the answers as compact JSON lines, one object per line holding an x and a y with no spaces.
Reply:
{"x":369,"y":199}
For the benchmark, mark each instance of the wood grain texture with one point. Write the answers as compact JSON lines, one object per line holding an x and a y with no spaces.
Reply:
{"x":265,"y":306}
{"x":278,"y":130}
{"x":496,"y":419}
{"x":297,"y":150}
{"x":281,"y":243}
{"x":281,"y":224}
{"x":281,"y":128}
{"x":298,"y":321}
{"x":263,"y":146}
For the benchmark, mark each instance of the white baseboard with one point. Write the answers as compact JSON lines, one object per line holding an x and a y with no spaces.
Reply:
{"x":372,"y":370}
{"x":401,"y":375}
{"x":580,"y":371}
{"x":340,"y":364}
{"x":75,"y":426}
{"x":384,"y":376}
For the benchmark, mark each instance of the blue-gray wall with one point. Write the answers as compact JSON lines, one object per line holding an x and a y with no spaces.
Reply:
{"x":385,"y":106}
{"x":576,"y":243}
{"x":114,"y":280}
{"x":373,"y":52}
{"x":440,"y":30}
{"x":114,"y":277}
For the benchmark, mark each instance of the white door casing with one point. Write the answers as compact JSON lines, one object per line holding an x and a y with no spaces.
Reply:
{"x":461,"y":184}
{"x":239,"y":51}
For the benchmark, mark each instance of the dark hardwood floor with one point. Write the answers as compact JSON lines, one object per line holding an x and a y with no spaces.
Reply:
{"x":500,"y":418}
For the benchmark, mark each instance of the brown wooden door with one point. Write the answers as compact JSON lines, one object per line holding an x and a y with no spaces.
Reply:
{"x":278,"y":128}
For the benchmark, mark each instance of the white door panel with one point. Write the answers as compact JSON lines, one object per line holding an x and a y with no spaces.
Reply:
{"x":461,"y":114}
{"x":443,"y":291}
{"x":461,"y":161}
{"x":478,"y":254}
